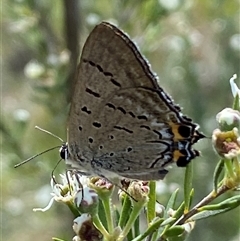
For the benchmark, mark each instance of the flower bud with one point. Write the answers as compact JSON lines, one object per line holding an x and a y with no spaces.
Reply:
{"x":84,"y":228}
{"x":228,"y":119}
{"x":139,"y":191}
{"x":86,"y":201}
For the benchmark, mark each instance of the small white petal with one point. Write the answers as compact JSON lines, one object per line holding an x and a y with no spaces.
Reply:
{"x":78,"y":222}
{"x":87,"y":195}
{"x":46,"y":208}
{"x":76,"y":238}
{"x":234,"y":87}
{"x":189,"y":226}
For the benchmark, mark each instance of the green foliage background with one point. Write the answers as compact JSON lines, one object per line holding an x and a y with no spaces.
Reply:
{"x":194,"y":47}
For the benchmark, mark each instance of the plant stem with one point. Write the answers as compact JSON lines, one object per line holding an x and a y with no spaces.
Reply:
{"x":134,"y":214}
{"x":210,"y":197}
{"x":107,"y":208}
{"x":97,"y":222}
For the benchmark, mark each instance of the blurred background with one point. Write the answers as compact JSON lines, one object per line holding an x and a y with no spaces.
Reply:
{"x":193,"y":46}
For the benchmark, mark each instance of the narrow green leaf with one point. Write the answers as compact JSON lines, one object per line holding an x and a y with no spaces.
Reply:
{"x":212,"y":210}
{"x":207,"y":214}
{"x":101,"y":213}
{"x":232,"y":199}
{"x":180,"y":211}
{"x":236,"y":103}
{"x":170,"y":205}
{"x":217,"y":172}
{"x":126,"y":211}
{"x":228,"y":203}
{"x":174,"y":231}
{"x":151,"y":229}
{"x":188,"y":186}
{"x":137,"y":227}
{"x":134,"y":214}
{"x":171,"y":202}
{"x":170,"y":221}
{"x":117,"y":215}
{"x":130,"y":235}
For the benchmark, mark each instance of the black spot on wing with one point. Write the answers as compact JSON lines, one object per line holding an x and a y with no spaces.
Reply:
{"x":97,"y":124}
{"x":123,"y":129}
{"x":91,"y":92}
{"x":142,"y":117}
{"x":122,"y":110}
{"x":86,"y":110}
{"x":115,"y":82}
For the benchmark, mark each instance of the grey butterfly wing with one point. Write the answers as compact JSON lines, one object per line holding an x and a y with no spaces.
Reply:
{"x":121,"y":122}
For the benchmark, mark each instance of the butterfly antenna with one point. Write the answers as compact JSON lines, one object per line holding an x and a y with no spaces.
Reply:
{"x":123,"y":190}
{"x":30,"y":158}
{"x":52,"y":174}
{"x":51,"y":134}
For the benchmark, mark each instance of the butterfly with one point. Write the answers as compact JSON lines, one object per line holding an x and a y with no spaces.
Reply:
{"x":121,"y":122}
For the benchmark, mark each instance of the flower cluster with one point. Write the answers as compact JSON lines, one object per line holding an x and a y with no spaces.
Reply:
{"x":96,"y":218}
{"x":226,"y":139}
{"x":83,"y":195}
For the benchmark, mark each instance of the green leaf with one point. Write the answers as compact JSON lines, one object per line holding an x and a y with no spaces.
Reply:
{"x":212,"y":210}
{"x":230,"y":202}
{"x":171,"y":202}
{"x":137,"y":227}
{"x":130,"y":235}
{"x":126,"y":211}
{"x":236,"y":103}
{"x":174,"y":231}
{"x":170,"y":205}
{"x":217,"y":172}
{"x":188,"y":186}
{"x":151,"y":229}
{"x":166,"y":225}
{"x":116,"y":215}
{"x":179,"y":212}
{"x":101,"y":213}
{"x":170,"y":221}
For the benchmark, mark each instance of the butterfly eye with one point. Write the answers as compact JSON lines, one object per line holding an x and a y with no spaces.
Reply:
{"x":64,"y":153}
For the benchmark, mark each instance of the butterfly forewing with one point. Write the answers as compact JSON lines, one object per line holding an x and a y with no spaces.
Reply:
{"x":121,"y":122}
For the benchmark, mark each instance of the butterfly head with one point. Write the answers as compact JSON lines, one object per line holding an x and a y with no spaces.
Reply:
{"x":64,"y":152}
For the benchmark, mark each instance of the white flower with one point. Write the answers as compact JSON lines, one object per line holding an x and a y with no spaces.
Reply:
{"x":65,"y":192}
